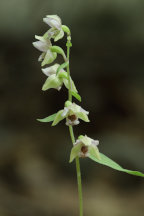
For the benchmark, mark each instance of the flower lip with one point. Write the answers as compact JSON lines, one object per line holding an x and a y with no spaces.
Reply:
{"x":72,"y":117}
{"x":84,"y":149}
{"x":72,"y":123}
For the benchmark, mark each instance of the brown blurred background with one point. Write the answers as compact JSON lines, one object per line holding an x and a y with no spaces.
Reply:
{"x":107,"y":66}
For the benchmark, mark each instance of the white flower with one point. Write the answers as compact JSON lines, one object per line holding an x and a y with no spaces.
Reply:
{"x":85,"y":147}
{"x":72,"y":112}
{"x":56,"y":80}
{"x":50,"y":70}
{"x":53,"y":21}
{"x":44,"y":46}
{"x":56,"y":32}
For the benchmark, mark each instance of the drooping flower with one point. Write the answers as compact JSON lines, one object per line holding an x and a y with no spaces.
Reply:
{"x":56,"y":80}
{"x":72,"y":112}
{"x":44,"y":45}
{"x":56,"y":32}
{"x":84,"y":147}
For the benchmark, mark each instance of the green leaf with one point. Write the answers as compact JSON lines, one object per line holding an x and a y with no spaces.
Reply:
{"x":76,"y":95}
{"x":48,"y":119}
{"x":62,"y":66}
{"x":110,"y":163}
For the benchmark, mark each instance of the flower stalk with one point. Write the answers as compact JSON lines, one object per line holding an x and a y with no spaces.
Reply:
{"x":78,"y":170}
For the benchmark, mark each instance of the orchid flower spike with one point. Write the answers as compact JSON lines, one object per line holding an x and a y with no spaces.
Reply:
{"x":44,"y":45}
{"x":84,"y":147}
{"x":56,"y":32}
{"x":72,"y":112}
{"x":56,"y":80}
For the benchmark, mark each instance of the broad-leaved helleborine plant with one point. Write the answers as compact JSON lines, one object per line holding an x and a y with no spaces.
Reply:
{"x":56,"y":76}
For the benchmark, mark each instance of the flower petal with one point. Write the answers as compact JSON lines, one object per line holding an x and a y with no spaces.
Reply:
{"x":58,"y":118}
{"x":40,"y":38}
{"x":59,"y":36}
{"x":83,"y":116}
{"x":64,"y":114}
{"x":53,"y":21}
{"x":52,"y":82}
{"x":87,"y":141}
{"x":41,"y":57}
{"x":93,"y":151}
{"x":49,"y":58}
{"x":75,"y":151}
{"x":95,"y":142}
{"x":50,"y":70}
{"x":40,"y":45}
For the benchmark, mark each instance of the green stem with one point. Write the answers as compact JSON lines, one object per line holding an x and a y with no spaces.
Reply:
{"x":68,"y":72}
{"x":79,"y":182}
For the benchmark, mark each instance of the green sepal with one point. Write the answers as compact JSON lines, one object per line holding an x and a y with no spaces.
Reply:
{"x":52,"y":82}
{"x":93,"y":150}
{"x":58,"y":118}
{"x":40,"y":38}
{"x":76,"y":95}
{"x":59,"y":35}
{"x":62,"y":66}
{"x":83,"y":116}
{"x":48,"y":119}
{"x":75,"y":151}
{"x":45,"y":36}
{"x":58,"y":50}
{"x":49,"y":58}
{"x":110,"y":163}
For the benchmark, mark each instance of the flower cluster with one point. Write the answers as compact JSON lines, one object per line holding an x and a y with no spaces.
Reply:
{"x":56,"y":77}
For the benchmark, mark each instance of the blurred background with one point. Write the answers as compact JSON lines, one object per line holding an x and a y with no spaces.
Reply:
{"x":107,"y":66}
